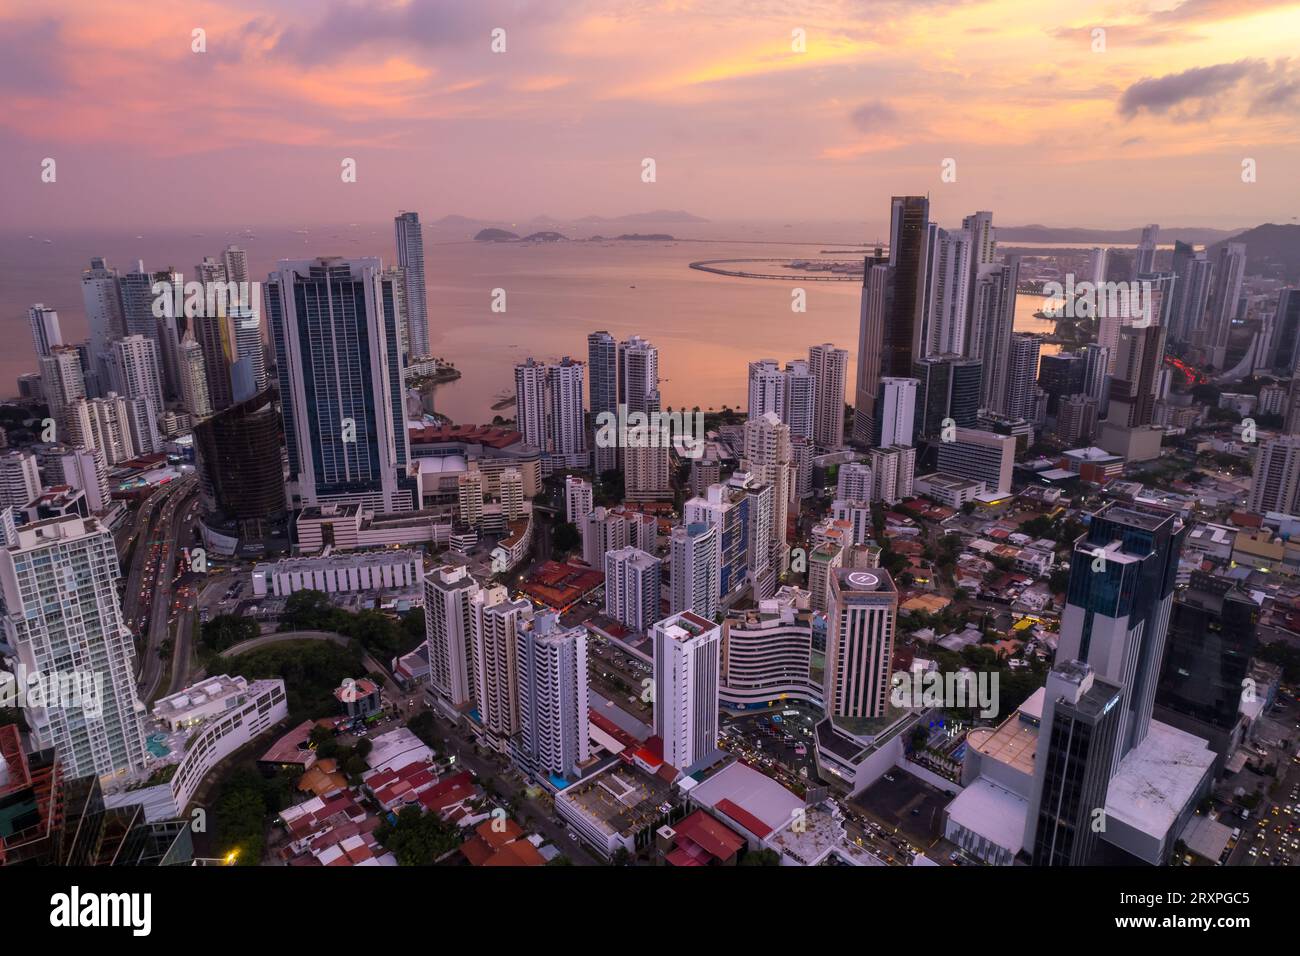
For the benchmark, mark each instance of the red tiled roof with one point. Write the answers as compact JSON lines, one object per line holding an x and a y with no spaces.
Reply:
{"x":710,"y":833}
{"x":742,"y":816}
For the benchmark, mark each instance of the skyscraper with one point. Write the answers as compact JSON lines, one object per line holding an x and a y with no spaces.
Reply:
{"x":1275,"y":485}
{"x":133,"y":372}
{"x":800,"y":398}
{"x":632,"y":586}
{"x":638,"y":375}
{"x":1229,"y":271}
{"x":1118,"y":604}
{"x":828,"y":366}
{"x":494,"y":624}
{"x":694,"y":556}
{"x":686,"y":682}
{"x":767,"y":458}
{"x":602,"y":385}
{"x":334,"y":325}
{"x":862,"y":611}
{"x":553,"y":697}
{"x":62,"y":617}
{"x":1022,"y":377}
{"x":410,"y":256}
{"x":194,"y":380}
{"x":948,"y":295}
{"x":20,"y":479}
{"x":61,"y":381}
{"x":766,"y":388}
{"x":1145,"y":259}
{"x":874,"y":313}
{"x":45,"y":328}
{"x":948,"y":386}
{"x":1191,"y":292}
{"x":993,"y":309}
{"x":909,"y":230}
{"x":102,"y":297}
{"x":449,"y":593}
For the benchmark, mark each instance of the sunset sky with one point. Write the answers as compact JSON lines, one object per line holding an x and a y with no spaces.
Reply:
{"x":146,"y":133}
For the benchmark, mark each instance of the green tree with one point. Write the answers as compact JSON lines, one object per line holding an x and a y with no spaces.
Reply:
{"x":763,"y":857}
{"x":565,"y":537}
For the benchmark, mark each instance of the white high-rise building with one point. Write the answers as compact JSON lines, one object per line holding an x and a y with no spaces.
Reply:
{"x":493,"y":622}
{"x":694,"y":556}
{"x":512,"y":494}
{"x":45,"y":328}
{"x":1276,"y":482}
{"x":530,"y":402}
{"x":766,"y":388}
{"x":1144,"y":260}
{"x":577,"y":499}
{"x":646,"y":467}
{"x":234,"y":262}
{"x":549,"y":412}
{"x":1229,"y":272}
{"x":62,"y":617}
{"x":687,"y":678}
{"x":602,"y":531}
{"x":448,"y":597}
{"x":858,"y":516}
{"x":768,"y":459}
{"x":828,"y":366}
{"x":61,"y":380}
{"x":554,"y":736}
{"x":892,"y":470}
{"x":103,"y":302}
{"x":861,"y":617}
{"x":993,"y":310}
{"x":85,"y":469}
{"x":855,"y":481}
{"x":949,"y":293}
{"x":632,"y":588}
{"x":469,"y":497}
{"x":20,"y":479}
{"x":1022,"y":377}
{"x":638,"y":375}
{"x":896,"y":411}
{"x":984,"y":240}
{"x":410,"y":256}
{"x":800,"y":399}
{"x":133,"y":372}
{"x":981,"y":456}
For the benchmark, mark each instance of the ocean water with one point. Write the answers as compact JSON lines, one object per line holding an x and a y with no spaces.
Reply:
{"x":707,"y":327}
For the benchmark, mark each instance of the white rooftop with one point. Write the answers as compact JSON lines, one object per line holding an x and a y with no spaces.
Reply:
{"x":993,"y":812}
{"x":1157,"y":779}
{"x":750,"y":790}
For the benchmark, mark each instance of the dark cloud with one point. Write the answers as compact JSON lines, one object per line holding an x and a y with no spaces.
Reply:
{"x":1199,"y":87}
{"x":871,"y":117}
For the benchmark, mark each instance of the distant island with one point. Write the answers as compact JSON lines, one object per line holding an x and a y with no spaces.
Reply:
{"x":493,"y":234}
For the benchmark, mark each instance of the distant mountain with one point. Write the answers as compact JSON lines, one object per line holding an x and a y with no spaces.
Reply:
{"x":1272,"y":251}
{"x":1196,"y":235}
{"x":657,"y":215}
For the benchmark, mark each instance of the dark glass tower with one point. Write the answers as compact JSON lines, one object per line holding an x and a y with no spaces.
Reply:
{"x":908,"y":234}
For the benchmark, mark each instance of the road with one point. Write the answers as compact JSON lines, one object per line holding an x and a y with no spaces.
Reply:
{"x":174,"y":519}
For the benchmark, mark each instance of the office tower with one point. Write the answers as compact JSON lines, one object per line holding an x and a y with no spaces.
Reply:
{"x":1077,"y":745}
{"x":948,"y":386}
{"x":133,"y":371}
{"x":874,"y":312}
{"x":577,"y":499}
{"x":20,"y":479}
{"x":1060,"y":376}
{"x":693,"y":571}
{"x":768,"y":459}
{"x":909,"y":231}
{"x":686,"y":672}
{"x":827,"y":364}
{"x":138,"y":316}
{"x":602,"y":531}
{"x":1022,"y":377}
{"x":1193,"y":274}
{"x":857,"y":514}
{"x":103,"y":424}
{"x":861,"y":614}
{"x":469,"y":497}
{"x":1097,"y":261}
{"x":410,"y":256}
{"x":248,"y":370}
{"x":143,"y":426}
{"x":1286,"y":336}
{"x":234,"y":262}
{"x":1134,"y":377}
{"x":240,"y":465}
{"x":1229,"y":271}
{"x":209,"y":270}
{"x":1076,"y":420}
{"x":602,"y":369}
{"x":981,"y":456}
{"x":1276,"y":480}
{"x":494,"y":623}
{"x":766,"y":388}
{"x":759,"y":498}
{"x":512,"y":494}
{"x":948,"y":295}
{"x":632,"y":588}
{"x":855,"y":481}
{"x":1206,"y":667}
{"x":213,"y":335}
{"x":448,"y":596}
{"x":892,"y":471}
{"x":45,"y":328}
{"x":1118,"y":603}
{"x":1145,"y":258}
{"x":1096,"y":373}
{"x":993,"y":313}
{"x":61,"y":380}
{"x":896,"y":412}
{"x":553,"y":698}
{"x":62,"y":617}
{"x":802,"y":454}
{"x":194,"y":380}
{"x":334,"y":325}
{"x":638,"y":375}
{"x":984,"y":242}
{"x":103,"y":301}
